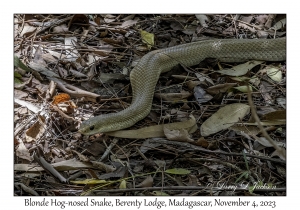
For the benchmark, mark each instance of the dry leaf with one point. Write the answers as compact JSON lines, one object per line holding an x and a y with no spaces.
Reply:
{"x":250,"y":130}
{"x":243,"y":89}
{"x":178,"y":135}
{"x":274,"y":73}
{"x":204,"y":79}
{"x":241,"y":69}
{"x":22,"y":152}
{"x":148,"y":182}
{"x":276,"y":115}
{"x":263,"y":141}
{"x":156,"y":130}
{"x":173,"y":97}
{"x":265,"y":123}
{"x":201,"y":96}
{"x":202,"y":142}
{"x":220,"y":88}
{"x":279,"y":25}
{"x":103,"y":167}
{"x":65,"y":165}
{"x":203,"y":19}
{"x":224,"y":118}
{"x":71,"y":52}
{"x":60,"y":29}
{"x":265,"y":93}
{"x":82,"y":157}
{"x":19,"y":94}
{"x":36,"y":131}
{"x":281,"y":156}
{"x":28,"y":30}
{"x":128,"y":23}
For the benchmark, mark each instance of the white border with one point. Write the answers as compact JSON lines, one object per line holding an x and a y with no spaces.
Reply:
{"x":151,"y":6}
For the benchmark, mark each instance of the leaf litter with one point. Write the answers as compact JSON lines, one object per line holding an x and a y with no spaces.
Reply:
{"x":201,"y":112}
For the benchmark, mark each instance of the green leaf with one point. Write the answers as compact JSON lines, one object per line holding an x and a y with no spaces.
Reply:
{"x":89,"y":181}
{"x":243,"y":88}
{"x":147,"y":38}
{"x":179,"y":171}
{"x":20,"y":64}
{"x":246,"y":161}
{"x":122,"y":184}
{"x":244,"y":174}
{"x":17,"y":81}
{"x":251,"y":189}
{"x":159,"y":193}
{"x":17,"y":75}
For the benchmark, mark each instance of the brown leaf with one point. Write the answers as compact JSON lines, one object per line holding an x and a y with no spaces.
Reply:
{"x":148,"y":182}
{"x":19,"y":94}
{"x":173,"y":97}
{"x":78,"y":18}
{"x":276,"y":115}
{"x":97,"y":20}
{"x":28,"y":83}
{"x":250,"y":130}
{"x":22,"y":152}
{"x":178,"y":135}
{"x":82,"y":157}
{"x":28,"y":30}
{"x":202,"y":142}
{"x":240,"y":69}
{"x":60,"y":29}
{"x":201,"y":96}
{"x":220,"y":88}
{"x":264,"y":90}
{"x":36,"y":130}
{"x":109,"y":18}
{"x":128,"y":23}
{"x":191,"y":84}
{"x":66,"y":165}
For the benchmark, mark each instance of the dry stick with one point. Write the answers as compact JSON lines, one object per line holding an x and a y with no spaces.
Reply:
{"x":181,"y":188}
{"x":214,"y":160}
{"x":51,"y":90}
{"x":77,"y":92}
{"x":234,"y":23}
{"x":64,"y":115}
{"x":108,"y":149}
{"x":266,"y":135}
{"x":18,"y":129}
{"x":251,"y":25}
{"x":156,"y":168}
{"x":58,"y":22}
{"x":197,"y":148}
{"x":22,"y":27}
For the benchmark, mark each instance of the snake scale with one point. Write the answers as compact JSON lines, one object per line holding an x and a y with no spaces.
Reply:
{"x":145,"y":74}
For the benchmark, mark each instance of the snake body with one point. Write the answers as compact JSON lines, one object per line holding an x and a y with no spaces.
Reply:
{"x":145,"y":74}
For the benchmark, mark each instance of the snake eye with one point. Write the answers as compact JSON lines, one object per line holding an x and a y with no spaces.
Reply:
{"x":92,"y":128}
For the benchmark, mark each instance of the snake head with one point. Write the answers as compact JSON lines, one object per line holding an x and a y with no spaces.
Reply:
{"x":101,"y":124}
{"x":90,"y":127}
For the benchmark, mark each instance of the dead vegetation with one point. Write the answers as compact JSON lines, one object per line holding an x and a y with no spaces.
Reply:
{"x":211,"y":126}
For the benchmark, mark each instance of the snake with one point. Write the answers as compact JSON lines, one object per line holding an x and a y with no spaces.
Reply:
{"x":144,"y":76}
